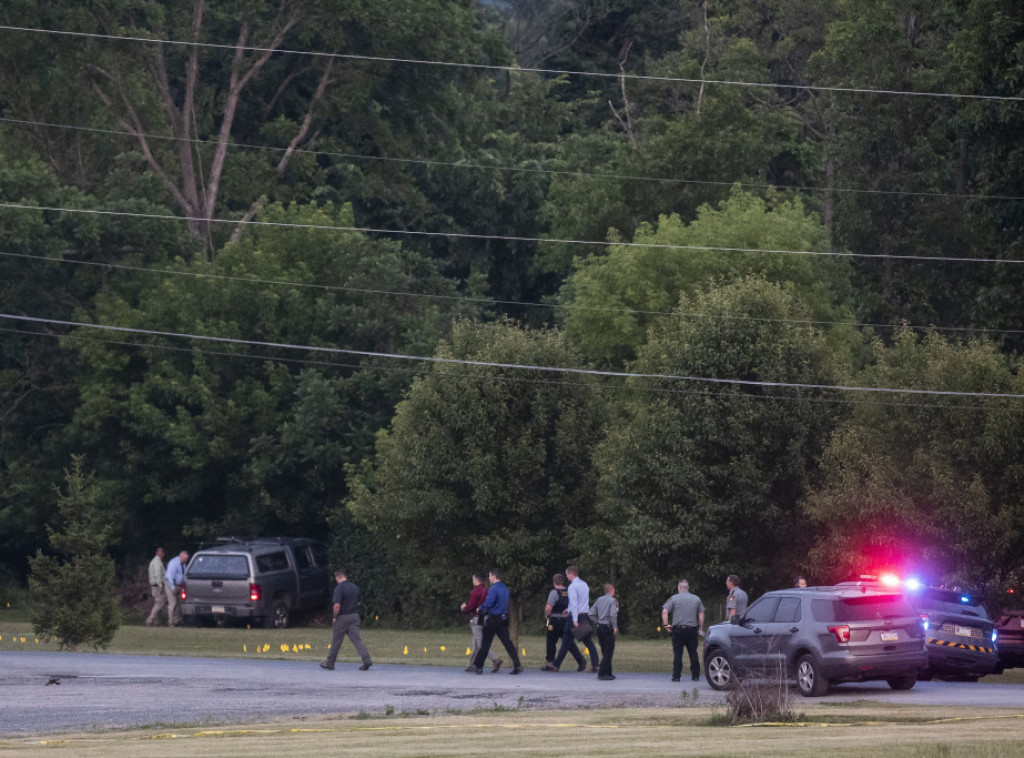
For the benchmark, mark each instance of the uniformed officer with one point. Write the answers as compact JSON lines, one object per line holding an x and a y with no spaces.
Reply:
{"x":687,"y":623}
{"x":556,"y":611}
{"x":736,"y":603}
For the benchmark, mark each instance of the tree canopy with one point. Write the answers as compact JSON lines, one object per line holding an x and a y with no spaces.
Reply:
{"x":230,"y":230}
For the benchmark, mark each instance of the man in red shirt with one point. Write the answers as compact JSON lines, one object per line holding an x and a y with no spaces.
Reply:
{"x":476,"y":599}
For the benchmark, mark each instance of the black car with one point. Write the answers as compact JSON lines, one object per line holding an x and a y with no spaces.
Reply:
{"x":959,"y":635}
{"x":1009,"y":627}
{"x":819,"y":636}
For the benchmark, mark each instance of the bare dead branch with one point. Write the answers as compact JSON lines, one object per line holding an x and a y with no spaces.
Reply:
{"x":707,"y":54}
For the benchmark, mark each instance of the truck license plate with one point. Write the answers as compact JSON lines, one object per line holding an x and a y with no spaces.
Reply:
{"x":217,"y":609}
{"x":890,"y":636}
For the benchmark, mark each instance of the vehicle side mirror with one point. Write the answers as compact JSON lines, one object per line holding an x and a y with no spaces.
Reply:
{"x":736,"y":620}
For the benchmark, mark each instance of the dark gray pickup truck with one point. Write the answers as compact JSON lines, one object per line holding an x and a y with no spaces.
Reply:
{"x":260,"y":581}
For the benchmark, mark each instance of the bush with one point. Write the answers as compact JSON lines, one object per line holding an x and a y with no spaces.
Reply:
{"x":761,"y":698}
{"x":73,"y":591}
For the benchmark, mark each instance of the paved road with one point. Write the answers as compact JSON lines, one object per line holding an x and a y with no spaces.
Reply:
{"x":125,"y":691}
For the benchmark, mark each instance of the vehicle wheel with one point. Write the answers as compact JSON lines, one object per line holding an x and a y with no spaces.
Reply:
{"x":902,"y":682}
{"x":809,"y":680}
{"x":718,"y":671}
{"x":278,"y":616}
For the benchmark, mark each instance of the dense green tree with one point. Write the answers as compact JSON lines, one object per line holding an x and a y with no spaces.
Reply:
{"x":483,"y":466}
{"x":612,"y":300}
{"x":930,"y":484}
{"x":702,"y":480}
{"x":73,"y":590}
{"x":51,"y":263}
{"x":251,"y":439}
{"x":183,"y":109}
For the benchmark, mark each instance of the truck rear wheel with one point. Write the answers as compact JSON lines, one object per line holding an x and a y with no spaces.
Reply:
{"x":278,"y":616}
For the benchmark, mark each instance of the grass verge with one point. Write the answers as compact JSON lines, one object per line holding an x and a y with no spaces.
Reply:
{"x":430,"y":647}
{"x":913,"y":731}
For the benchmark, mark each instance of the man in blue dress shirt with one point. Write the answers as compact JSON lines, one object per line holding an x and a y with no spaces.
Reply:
{"x":174,"y":576}
{"x":495,"y":611}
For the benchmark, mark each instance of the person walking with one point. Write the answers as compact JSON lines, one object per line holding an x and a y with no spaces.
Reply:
{"x":578,"y":626}
{"x":686,"y":624}
{"x":605,"y":612}
{"x":556,"y":612}
{"x":173,"y":578}
{"x":495,"y":608}
{"x":156,"y":586}
{"x":472,"y":608}
{"x":345,"y":621}
{"x":736,"y":603}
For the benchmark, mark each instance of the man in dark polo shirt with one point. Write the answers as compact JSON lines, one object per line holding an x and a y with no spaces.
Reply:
{"x":687,"y":621}
{"x":346,"y":621}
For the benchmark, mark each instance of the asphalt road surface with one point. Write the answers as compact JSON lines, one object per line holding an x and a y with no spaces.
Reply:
{"x":118,"y":691}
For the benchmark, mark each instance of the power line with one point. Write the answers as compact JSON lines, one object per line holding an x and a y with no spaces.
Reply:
{"x":516,"y":169}
{"x":516,"y":366}
{"x":515,"y":380}
{"x":517,"y":69}
{"x":494,"y":301}
{"x":507,"y":237}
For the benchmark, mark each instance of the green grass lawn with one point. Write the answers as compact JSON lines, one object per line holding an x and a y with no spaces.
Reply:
{"x":857,"y":730}
{"x":431,"y":647}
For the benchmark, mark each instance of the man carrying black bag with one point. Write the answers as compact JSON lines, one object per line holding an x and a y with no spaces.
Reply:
{"x":495,"y":610}
{"x":556,"y":612}
{"x":580,"y":629}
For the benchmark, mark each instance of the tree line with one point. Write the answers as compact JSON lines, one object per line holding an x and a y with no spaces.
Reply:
{"x":605,"y":187}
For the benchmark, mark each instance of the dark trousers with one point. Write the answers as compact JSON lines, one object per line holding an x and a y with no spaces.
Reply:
{"x":495,"y":626}
{"x":347,"y":626}
{"x":569,"y":645}
{"x":685,"y":637}
{"x":555,"y":631}
{"x":606,"y":636}
{"x":564,"y":633}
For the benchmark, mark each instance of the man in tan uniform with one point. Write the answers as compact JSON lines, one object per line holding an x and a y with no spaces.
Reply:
{"x":156,"y":586}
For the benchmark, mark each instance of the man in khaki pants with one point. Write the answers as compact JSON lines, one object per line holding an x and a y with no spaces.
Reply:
{"x":156,"y":586}
{"x":173,"y":578}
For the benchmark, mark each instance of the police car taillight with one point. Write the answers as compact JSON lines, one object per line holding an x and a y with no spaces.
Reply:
{"x":842,"y":633}
{"x":255,"y":592}
{"x":924,"y":621}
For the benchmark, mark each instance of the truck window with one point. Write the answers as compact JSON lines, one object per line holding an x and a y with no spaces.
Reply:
{"x":302,"y":560}
{"x":213,"y":566}
{"x":319,"y":555}
{"x":272,"y":562}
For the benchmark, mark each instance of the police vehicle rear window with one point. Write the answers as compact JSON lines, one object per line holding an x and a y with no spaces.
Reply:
{"x":219,"y":567}
{"x":949,"y":601}
{"x":866,"y":608}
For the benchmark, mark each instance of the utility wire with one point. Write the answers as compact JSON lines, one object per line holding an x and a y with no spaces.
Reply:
{"x":515,"y":69}
{"x":517,"y":366}
{"x":494,"y":301}
{"x":515,"y":169}
{"x":508,"y":237}
{"x":504,"y":379}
